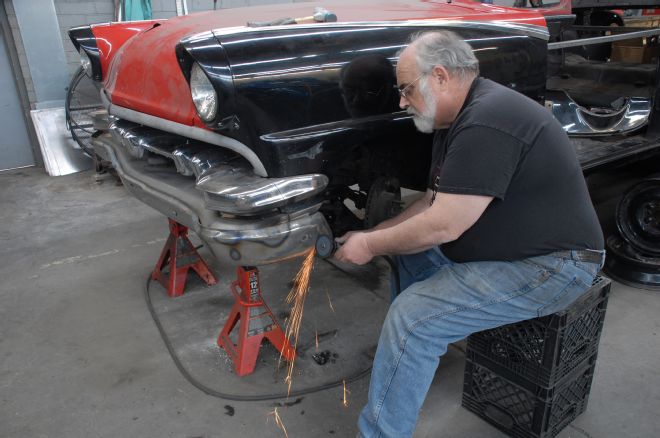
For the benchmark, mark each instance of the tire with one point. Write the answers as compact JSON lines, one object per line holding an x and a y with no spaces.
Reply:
{"x":626,"y":265}
{"x":383,"y":201}
{"x":82,"y":98}
{"x":638,"y":216}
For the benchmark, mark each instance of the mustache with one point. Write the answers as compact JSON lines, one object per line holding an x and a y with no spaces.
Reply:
{"x":413,"y":112}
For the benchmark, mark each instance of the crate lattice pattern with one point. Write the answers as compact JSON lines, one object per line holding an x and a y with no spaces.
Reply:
{"x":542,"y":415}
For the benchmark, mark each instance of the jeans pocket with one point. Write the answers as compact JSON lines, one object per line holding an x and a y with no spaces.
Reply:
{"x":545,"y":263}
{"x":564,"y":298}
{"x":586,"y":272}
{"x":550,"y":306}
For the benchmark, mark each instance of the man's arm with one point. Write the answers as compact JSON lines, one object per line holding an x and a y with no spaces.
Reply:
{"x":444,"y":221}
{"x":413,"y":209}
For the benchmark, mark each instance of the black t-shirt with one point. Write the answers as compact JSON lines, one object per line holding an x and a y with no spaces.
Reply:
{"x":505,"y":145}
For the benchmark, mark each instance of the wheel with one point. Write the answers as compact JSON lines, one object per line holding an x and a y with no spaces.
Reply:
{"x":82,"y":99}
{"x":383,"y":201}
{"x":638,"y":216}
{"x":626,"y":265}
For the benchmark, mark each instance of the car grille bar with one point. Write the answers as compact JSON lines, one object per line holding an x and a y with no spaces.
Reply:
{"x":227,"y":181}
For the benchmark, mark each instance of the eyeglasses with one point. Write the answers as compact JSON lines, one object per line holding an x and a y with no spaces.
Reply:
{"x":403,"y":92}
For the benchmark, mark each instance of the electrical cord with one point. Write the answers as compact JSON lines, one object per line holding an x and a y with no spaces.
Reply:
{"x":236,"y":397}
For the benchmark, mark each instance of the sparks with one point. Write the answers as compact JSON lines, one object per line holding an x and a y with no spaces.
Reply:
{"x":346,"y":391}
{"x":278,"y":422}
{"x":317,"y":341}
{"x":296,"y":299}
{"x":329,"y":300}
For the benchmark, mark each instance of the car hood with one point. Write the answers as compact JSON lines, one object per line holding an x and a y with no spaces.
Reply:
{"x":144,"y":74}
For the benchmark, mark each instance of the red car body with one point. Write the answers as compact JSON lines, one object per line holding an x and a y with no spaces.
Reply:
{"x":143,"y":81}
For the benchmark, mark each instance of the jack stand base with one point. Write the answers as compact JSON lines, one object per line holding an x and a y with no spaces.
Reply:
{"x":256,"y":323}
{"x":180,"y":256}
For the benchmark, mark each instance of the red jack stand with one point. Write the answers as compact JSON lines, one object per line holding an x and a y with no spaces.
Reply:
{"x":180,"y":255}
{"x":256,"y":323}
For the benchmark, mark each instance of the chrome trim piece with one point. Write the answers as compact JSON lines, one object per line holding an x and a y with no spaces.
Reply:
{"x":239,"y":241}
{"x":234,"y":190}
{"x":331,"y":128}
{"x":189,"y":158}
{"x":206,"y":161}
{"x":228,"y":182}
{"x":560,"y":17}
{"x":180,"y":129}
{"x":518,"y":29}
{"x":602,"y":39}
{"x":177,"y":201}
{"x":579,"y":121}
{"x":264,"y":244}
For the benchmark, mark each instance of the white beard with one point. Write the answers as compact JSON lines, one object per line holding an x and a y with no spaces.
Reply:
{"x":425,"y":121}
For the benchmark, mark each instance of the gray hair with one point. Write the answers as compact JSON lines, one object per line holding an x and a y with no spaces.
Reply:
{"x":445,"y":48}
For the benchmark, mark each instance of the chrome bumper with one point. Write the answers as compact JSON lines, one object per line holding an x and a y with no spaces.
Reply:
{"x":243,"y":219}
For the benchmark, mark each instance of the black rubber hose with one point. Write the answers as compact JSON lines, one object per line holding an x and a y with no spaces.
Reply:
{"x":236,"y":397}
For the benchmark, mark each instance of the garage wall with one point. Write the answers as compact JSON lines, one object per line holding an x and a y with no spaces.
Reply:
{"x":71,"y":13}
{"x":20,"y":50}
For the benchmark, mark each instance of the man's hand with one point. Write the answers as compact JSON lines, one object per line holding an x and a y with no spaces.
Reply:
{"x":342,"y":239}
{"x":355,"y":248}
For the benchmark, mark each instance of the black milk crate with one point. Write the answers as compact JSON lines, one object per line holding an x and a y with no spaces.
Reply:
{"x":522,"y":409}
{"x":543,"y":350}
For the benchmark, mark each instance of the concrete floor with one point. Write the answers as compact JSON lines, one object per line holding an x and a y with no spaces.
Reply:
{"x":80,"y":355}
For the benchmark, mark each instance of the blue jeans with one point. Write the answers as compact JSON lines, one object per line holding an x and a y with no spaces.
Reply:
{"x":443,"y":302}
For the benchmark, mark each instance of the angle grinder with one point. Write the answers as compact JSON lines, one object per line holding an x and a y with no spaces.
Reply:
{"x":326,"y":246}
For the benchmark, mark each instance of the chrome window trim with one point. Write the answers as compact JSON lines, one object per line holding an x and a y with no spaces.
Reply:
{"x":602,"y":39}
{"x":560,"y":17}
{"x":531,"y":30}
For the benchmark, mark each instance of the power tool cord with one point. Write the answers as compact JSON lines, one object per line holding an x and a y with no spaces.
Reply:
{"x":235,"y":397}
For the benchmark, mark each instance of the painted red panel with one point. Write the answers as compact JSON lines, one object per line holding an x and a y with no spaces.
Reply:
{"x":111,"y":36}
{"x":144,"y":74}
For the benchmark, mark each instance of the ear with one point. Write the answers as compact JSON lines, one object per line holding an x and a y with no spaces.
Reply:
{"x":440,"y":74}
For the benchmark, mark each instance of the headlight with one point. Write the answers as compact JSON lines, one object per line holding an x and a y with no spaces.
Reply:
{"x":86,"y":63}
{"x":203,"y":94}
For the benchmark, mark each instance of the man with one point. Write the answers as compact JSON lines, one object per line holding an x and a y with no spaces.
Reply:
{"x":506,"y":231}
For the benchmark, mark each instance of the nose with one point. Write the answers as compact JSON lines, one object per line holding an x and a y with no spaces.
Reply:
{"x":403,"y":103}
